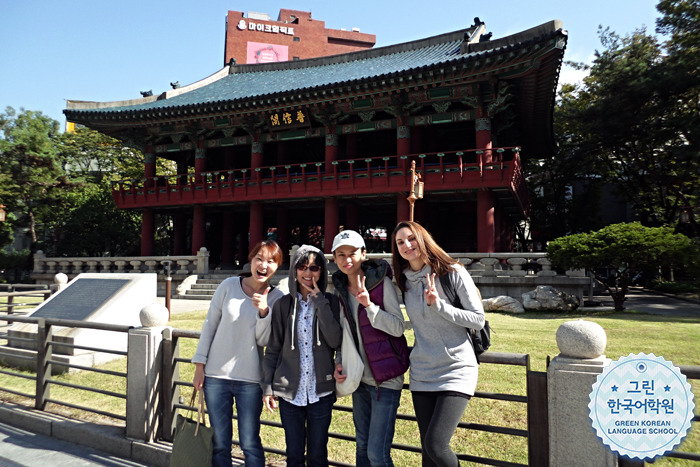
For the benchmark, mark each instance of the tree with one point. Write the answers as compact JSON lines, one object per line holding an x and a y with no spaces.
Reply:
{"x":618,"y":252}
{"x":59,"y":185}
{"x":565,"y":190}
{"x":31,"y":170}
{"x":634,"y":124}
{"x":679,"y":81}
{"x":93,"y":226}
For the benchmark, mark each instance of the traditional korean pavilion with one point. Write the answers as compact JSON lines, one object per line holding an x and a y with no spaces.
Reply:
{"x":301,"y":149}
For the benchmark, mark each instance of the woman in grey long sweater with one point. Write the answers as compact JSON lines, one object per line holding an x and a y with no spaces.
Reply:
{"x":444,"y":370}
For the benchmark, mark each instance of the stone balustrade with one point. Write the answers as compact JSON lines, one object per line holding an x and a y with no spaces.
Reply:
{"x":495,"y":274}
{"x":502,"y":264}
{"x":513,"y":274}
{"x":179,"y":265}
{"x":478,"y":264}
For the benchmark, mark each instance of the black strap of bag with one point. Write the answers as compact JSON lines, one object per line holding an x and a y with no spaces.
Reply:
{"x":481,"y":340}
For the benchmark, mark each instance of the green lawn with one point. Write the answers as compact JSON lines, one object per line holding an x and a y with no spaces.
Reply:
{"x":674,"y":338}
{"x":22,"y":303}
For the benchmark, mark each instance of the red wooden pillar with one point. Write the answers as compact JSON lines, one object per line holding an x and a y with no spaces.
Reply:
{"x":256,"y":157}
{"x":228,"y":242}
{"x":330,"y":225}
{"x":486,"y":234}
{"x":331,"y":154}
{"x":147,"y":232}
{"x":200,"y":163}
{"x":403,"y":208}
{"x":199,"y":228}
{"x":483,"y":136}
{"x":179,"y":236}
{"x":256,"y":224}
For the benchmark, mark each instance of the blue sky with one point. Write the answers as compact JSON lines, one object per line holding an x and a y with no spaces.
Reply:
{"x":97,"y":50}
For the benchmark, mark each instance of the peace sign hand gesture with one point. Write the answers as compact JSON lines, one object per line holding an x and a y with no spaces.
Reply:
{"x":431,"y":295}
{"x":362,"y":294}
{"x":260,"y":302}
{"x":312,"y":290}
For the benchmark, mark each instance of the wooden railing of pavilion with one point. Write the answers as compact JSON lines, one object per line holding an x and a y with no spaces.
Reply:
{"x":450,"y":170}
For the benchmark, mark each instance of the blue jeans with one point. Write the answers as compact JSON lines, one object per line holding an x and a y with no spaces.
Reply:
{"x":374,"y":414}
{"x":307,"y":426}
{"x":219,"y":395}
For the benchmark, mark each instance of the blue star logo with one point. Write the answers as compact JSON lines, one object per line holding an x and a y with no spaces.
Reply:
{"x":667,"y":388}
{"x":614,"y":388}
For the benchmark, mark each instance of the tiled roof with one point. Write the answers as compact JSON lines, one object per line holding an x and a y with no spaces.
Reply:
{"x":249,"y":82}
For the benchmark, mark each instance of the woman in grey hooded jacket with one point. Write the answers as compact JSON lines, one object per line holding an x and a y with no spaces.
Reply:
{"x":299,"y":358}
{"x":444,"y":369}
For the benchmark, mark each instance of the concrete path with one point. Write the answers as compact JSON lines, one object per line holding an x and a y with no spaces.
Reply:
{"x":653,"y":303}
{"x":24,"y":448}
{"x":181,"y":305}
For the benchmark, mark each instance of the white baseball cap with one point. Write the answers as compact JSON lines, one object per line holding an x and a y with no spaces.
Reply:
{"x":350,"y":238}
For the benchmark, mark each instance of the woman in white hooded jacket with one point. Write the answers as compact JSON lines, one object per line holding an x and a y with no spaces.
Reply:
{"x":444,"y":369}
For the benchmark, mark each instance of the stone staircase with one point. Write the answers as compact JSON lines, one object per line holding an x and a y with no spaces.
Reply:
{"x":205,"y":285}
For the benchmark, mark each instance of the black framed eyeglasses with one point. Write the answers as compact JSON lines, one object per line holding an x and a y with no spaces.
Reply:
{"x":312,"y":268}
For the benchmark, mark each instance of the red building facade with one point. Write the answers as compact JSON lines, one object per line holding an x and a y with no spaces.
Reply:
{"x":298,"y":149}
{"x":294,"y":36}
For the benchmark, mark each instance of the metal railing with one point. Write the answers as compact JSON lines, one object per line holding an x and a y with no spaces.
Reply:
{"x":535,"y":399}
{"x":21,"y":291}
{"x":45,"y":364}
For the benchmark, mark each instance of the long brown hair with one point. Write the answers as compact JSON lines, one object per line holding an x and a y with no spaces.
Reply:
{"x":428,"y":251}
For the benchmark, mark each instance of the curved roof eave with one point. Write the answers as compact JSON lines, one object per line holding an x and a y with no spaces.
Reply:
{"x":389,"y":62}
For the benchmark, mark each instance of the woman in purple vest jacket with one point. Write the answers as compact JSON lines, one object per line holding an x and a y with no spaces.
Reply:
{"x":371,"y":307}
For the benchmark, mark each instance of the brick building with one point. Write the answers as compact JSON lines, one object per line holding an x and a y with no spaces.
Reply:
{"x":299,"y":148}
{"x":294,"y":36}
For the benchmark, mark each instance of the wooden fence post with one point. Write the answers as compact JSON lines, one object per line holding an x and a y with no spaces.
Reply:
{"x":43,"y":367}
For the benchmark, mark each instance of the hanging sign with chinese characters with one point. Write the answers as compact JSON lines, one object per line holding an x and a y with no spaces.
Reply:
{"x":287,"y":119}
{"x":641,"y":406}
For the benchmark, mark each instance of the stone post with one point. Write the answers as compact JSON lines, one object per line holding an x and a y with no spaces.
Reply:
{"x":39,"y":260}
{"x":202,"y":261}
{"x":570,"y":377}
{"x":143,"y":403}
{"x":61,"y":281}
